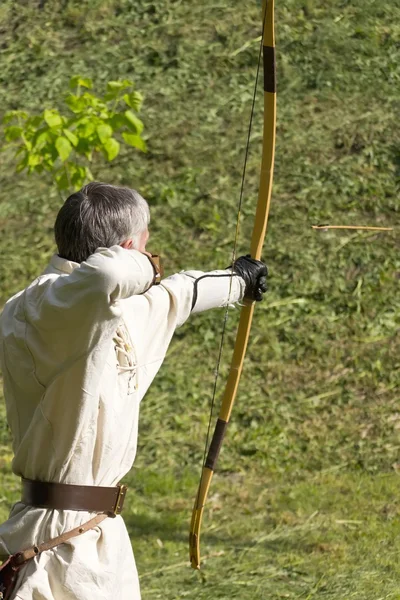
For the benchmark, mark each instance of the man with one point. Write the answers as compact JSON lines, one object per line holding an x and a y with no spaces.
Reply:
{"x":79,"y":348}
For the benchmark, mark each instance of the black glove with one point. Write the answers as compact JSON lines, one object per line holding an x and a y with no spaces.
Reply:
{"x":254,"y":273}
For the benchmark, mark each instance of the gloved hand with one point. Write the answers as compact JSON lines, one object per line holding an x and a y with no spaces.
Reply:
{"x":254,"y":273}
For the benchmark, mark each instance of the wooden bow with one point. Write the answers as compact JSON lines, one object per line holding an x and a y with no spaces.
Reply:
{"x":246,"y":315}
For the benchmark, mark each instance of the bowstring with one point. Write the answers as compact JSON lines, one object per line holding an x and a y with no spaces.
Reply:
{"x":235,"y":242}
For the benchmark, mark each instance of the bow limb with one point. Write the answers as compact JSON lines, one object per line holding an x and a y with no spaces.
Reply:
{"x":246,"y":315}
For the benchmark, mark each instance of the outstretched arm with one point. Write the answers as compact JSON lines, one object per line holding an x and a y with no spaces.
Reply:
{"x":196,"y":291}
{"x":153,"y":317}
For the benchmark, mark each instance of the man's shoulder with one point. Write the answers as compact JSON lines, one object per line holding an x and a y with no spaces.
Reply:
{"x":35,"y":289}
{"x":9,"y":313}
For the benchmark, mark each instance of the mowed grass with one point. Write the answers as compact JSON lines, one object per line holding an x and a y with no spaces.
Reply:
{"x":305,"y":501}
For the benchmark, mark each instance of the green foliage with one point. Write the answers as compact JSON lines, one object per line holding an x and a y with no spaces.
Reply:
{"x":60,"y":143}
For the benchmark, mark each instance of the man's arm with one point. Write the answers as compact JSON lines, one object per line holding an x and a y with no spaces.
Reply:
{"x":195,"y":291}
{"x":250,"y":274}
{"x":153,"y":317}
{"x":93,"y":288}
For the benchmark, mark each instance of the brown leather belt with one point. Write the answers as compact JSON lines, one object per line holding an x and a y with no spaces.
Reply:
{"x":61,"y":496}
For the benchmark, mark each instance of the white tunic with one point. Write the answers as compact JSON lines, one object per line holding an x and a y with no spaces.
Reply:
{"x":79,"y":348}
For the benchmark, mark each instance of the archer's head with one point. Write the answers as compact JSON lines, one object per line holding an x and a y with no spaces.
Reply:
{"x":100,"y":216}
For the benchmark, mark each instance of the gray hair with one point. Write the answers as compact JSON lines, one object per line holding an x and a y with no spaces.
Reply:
{"x":99,"y":216}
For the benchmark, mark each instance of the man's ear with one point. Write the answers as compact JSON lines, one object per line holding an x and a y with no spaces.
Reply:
{"x":128,"y":245}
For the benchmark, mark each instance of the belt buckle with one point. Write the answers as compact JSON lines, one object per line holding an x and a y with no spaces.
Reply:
{"x":119,"y":503}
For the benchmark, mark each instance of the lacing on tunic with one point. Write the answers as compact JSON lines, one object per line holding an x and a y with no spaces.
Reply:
{"x":126,"y":356}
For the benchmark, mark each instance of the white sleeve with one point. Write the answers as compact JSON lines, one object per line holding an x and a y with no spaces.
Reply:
{"x":196,"y":291}
{"x":153,"y":317}
{"x":216,"y":288}
{"x":93,"y":289}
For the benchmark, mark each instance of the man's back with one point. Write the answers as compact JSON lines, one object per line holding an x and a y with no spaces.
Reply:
{"x":61,"y":372}
{"x":72,"y":404}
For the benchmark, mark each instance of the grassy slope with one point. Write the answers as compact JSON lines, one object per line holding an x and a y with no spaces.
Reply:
{"x":305,"y":502}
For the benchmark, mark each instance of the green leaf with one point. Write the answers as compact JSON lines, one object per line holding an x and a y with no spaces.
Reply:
{"x":27,"y":142}
{"x":75,"y":103}
{"x":77,"y":175}
{"x":89,"y":174}
{"x":104,"y":132}
{"x":63,"y":147}
{"x":133,"y":122}
{"x":134,"y":100}
{"x":84,"y":148}
{"x":111,"y":149}
{"x":33,"y":160}
{"x":62,"y":180}
{"x":77,"y":80}
{"x":14,"y":114}
{"x":93,"y":101}
{"x":135,"y":140}
{"x":86,"y":128}
{"x":42,"y":138}
{"x":79,"y":178}
{"x":71,"y":137}
{"x":113,"y":85}
{"x":35,"y":122}
{"x":52,"y":118}
{"x":117,"y":121}
{"x":22,"y":164}
{"x":118,"y":85}
{"x":13,"y":133}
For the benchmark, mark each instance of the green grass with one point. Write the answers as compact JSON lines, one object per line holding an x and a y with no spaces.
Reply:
{"x":305,"y":501}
